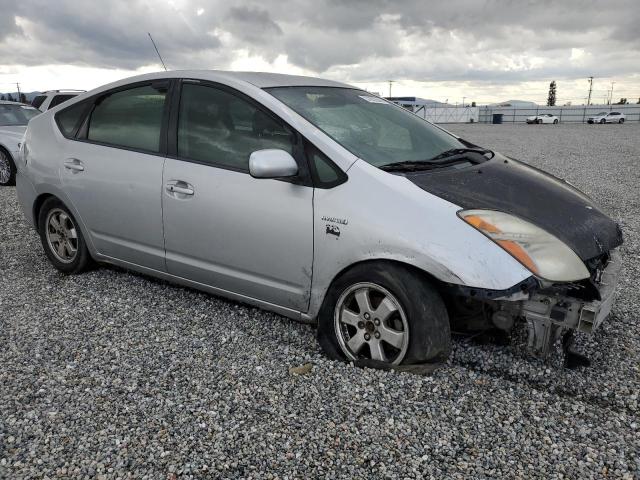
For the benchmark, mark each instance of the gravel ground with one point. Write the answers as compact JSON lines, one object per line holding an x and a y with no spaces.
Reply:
{"x":112,"y":374}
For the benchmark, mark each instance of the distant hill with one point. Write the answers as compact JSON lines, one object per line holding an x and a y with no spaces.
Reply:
{"x":30,"y":95}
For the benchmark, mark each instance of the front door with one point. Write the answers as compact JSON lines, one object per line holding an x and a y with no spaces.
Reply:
{"x":222,"y":227}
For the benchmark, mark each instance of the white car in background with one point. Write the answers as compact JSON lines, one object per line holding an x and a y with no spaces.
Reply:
{"x":543,"y":118}
{"x":607,"y":117}
{"x":52,"y":98}
{"x":14,"y":117}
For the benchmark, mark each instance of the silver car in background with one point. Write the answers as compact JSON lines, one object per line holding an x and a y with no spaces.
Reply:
{"x":321,"y":202}
{"x":14,"y":118}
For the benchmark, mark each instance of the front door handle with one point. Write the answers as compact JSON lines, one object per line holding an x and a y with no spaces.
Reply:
{"x":74,"y":164}
{"x":179,"y":187}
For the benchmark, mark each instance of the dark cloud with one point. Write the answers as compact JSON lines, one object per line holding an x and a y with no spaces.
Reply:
{"x":361,"y":40}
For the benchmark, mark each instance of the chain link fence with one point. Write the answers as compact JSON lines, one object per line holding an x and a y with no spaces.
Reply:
{"x":567,"y":114}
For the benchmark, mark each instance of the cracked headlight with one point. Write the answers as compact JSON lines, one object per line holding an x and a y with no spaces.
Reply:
{"x":539,"y":251}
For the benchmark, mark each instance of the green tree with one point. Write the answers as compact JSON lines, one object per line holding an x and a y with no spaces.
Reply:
{"x":23,"y":98}
{"x":551,"y":99}
{"x":623,"y":101}
{"x":10,"y":98}
{"x":3,"y":98}
{"x":473,"y":104}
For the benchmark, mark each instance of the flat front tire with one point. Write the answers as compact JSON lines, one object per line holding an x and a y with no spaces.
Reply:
{"x":62,"y":238}
{"x":7,"y":169}
{"x":383,"y":314}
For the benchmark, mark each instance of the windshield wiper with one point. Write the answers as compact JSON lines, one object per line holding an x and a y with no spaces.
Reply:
{"x":449,"y":157}
{"x":460,"y":152}
{"x":414,"y":166}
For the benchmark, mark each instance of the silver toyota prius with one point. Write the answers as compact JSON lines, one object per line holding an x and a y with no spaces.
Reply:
{"x":321,"y":202}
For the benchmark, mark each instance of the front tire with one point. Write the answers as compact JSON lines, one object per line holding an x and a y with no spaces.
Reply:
{"x":7,"y":169}
{"x":539,"y":121}
{"x":603,"y":121}
{"x":621,"y":120}
{"x":62,"y":238}
{"x":555,"y":122}
{"x":382,"y":314}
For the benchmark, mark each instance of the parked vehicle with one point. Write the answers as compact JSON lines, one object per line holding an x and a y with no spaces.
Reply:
{"x":14,"y":117}
{"x":53,"y":98}
{"x":319,"y":201}
{"x":607,"y":117}
{"x":543,"y":118}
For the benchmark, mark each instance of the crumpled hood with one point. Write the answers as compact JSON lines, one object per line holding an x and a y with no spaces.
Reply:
{"x":14,"y":132}
{"x":542,"y":199}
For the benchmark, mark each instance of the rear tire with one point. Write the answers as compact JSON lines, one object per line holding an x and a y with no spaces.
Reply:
{"x":7,"y":169}
{"x":62,"y":238}
{"x":621,"y":120}
{"x":539,"y":121}
{"x":382,"y":314}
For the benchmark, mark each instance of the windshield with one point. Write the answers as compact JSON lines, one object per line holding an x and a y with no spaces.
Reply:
{"x":601,"y":113}
{"x":371,"y":128}
{"x":11,"y":115}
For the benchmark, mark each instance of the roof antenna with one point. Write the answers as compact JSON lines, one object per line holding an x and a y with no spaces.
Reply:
{"x":159,"y":56}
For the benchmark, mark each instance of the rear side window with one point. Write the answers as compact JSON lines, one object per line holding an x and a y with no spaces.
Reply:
{"x":58,"y":99}
{"x":38,"y":101}
{"x":219,"y":128}
{"x":70,"y":118}
{"x":129,"y":118}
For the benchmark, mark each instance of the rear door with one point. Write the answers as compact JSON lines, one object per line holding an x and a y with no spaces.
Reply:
{"x":222,"y":227}
{"x":112,"y":171}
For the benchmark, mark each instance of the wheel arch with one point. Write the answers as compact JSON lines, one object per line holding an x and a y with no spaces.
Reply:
{"x":37,"y":205}
{"x":316,"y":305}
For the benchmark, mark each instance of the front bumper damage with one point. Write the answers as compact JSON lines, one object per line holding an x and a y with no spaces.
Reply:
{"x":550,"y":314}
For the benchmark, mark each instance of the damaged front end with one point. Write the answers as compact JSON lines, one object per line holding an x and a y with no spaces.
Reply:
{"x":550,"y":310}
{"x":583,"y":306}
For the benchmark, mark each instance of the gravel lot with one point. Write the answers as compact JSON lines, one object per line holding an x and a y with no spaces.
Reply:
{"x":112,"y":374}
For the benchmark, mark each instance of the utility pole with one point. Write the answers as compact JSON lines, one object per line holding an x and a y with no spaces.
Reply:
{"x":390,"y":83}
{"x":18,"y":87}
{"x":611,"y":101}
{"x":590,"y":89}
{"x":463,"y":98}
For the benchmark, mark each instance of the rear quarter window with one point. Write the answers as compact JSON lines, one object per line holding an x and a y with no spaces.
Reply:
{"x":70,"y":118}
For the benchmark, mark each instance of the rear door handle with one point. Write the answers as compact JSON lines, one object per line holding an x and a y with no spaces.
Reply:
{"x":179,"y":187}
{"x":74,"y":164}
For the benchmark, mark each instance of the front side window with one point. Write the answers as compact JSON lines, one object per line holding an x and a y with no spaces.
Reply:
{"x":129,"y":118}
{"x":13,"y":115}
{"x":219,"y":128}
{"x":371,"y":128}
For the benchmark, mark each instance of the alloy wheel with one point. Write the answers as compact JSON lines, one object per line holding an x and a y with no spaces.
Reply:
{"x":5,"y":168}
{"x":370,"y":323}
{"x":62,"y":236}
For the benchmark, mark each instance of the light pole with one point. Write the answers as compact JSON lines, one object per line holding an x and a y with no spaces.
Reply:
{"x":463,"y":98}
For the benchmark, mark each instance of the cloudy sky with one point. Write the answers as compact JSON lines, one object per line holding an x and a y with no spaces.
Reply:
{"x":483,"y":50}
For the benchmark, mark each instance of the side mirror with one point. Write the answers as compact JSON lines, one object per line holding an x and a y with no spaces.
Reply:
{"x":272,"y":163}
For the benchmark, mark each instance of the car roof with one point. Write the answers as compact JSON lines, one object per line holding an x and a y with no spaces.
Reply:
{"x":66,"y":92}
{"x":257,"y":79}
